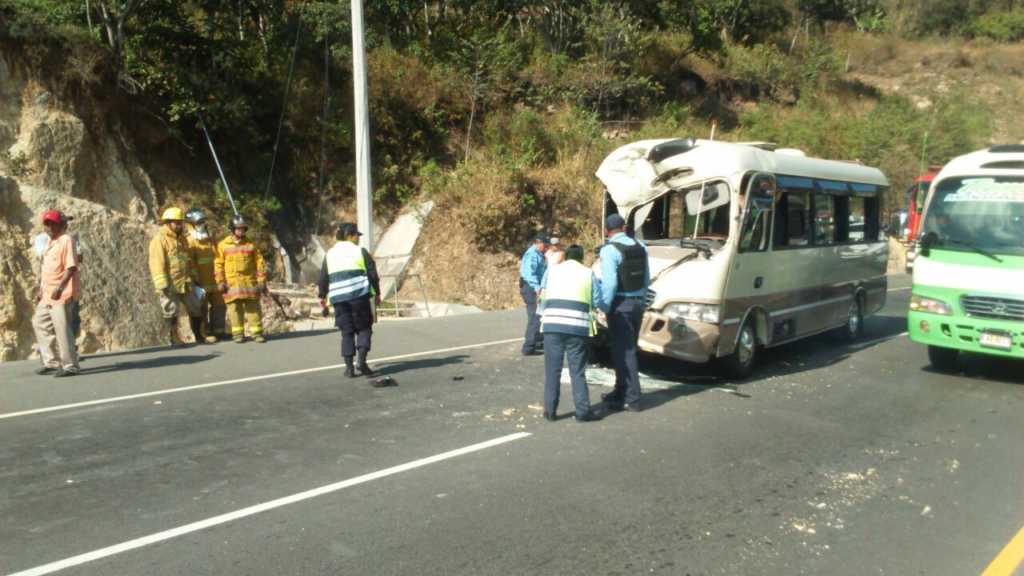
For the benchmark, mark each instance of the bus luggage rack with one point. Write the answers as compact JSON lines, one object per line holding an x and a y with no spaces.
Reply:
{"x":992,"y":307}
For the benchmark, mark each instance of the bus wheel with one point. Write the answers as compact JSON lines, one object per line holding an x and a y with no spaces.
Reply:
{"x":740,"y":363}
{"x":854,"y":328}
{"x":943,"y":359}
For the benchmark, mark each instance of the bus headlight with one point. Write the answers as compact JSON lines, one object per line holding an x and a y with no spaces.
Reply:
{"x":930,"y":305}
{"x":706,"y":313}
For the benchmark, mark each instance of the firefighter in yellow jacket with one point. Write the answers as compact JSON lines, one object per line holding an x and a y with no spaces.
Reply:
{"x":174,"y":278}
{"x":241,"y":278}
{"x":210,"y":326}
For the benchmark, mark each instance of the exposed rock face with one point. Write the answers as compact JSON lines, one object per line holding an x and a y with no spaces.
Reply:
{"x":51,"y":158}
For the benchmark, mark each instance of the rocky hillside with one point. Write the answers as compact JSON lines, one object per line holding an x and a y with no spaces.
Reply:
{"x":56,"y":157}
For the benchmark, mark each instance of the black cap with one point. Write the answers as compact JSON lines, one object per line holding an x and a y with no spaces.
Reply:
{"x":542,"y":237}
{"x":614,"y":222}
{"x":346,"y":229}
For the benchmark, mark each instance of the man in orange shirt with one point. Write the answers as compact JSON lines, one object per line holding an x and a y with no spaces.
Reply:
{"x":58,"y":290}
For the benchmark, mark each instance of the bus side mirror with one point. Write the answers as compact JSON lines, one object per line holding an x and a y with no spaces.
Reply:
{"x":927,"y":241}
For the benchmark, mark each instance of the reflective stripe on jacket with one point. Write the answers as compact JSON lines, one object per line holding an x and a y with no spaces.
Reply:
{"x":239,"y":265}
{"x":346,"y":273}
{"x":204,"y":253}
{"x":568,"y":300}
{"x":169,"y":261}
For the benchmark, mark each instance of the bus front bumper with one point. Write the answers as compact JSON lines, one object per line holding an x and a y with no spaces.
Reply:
{"x":683,"y":340}
{"x":959,"y":332}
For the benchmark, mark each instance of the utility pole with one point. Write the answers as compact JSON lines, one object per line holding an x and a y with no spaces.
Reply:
{"x":364,"y":186}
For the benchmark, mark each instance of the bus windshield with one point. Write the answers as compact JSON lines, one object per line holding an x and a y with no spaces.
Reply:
{"x":701,"y":212}
{"x":980,"y":214}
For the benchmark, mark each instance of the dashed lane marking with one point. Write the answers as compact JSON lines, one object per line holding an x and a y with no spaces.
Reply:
{"x":113,"y":399}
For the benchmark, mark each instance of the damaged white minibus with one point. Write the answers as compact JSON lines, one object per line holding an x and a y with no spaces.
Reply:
{"x":749,"y":246}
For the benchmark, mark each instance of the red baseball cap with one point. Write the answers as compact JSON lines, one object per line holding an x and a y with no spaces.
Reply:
{"x":54,"y":216}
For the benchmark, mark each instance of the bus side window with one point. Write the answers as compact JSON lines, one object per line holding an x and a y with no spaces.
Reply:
{"x":872,"y":218}
{"x":797,"y":217}
{"x":824,"y":219}
{"x":856,"y":221}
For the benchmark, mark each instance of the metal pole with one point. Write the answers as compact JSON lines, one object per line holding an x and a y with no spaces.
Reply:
{"x":364,"y":186}
{"x":217,"y":162}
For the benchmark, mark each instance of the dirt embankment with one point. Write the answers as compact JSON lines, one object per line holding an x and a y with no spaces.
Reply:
{"x":54,"y":157}
{"x":924,"y":72}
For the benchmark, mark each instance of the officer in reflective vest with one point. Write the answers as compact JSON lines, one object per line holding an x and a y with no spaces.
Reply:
{"x":569,"y":291}
{"x":625,"y":277}
{"x":349,"y":281}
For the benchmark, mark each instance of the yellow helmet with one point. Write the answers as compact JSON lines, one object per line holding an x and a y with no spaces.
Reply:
{"x":172,"y":213}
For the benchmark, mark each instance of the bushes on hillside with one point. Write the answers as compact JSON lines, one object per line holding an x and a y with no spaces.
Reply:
{"x":1000,"y":26}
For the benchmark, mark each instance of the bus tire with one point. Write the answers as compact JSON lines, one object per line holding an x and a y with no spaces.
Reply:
{"x":740,"y":363}
{"x":943,"y":359}
{"x":854,"y":327}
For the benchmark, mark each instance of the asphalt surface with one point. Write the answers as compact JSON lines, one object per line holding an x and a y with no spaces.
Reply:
{"x":833,"y":459}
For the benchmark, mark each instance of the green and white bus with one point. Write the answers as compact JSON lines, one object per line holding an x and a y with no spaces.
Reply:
{"x":968,"y":292}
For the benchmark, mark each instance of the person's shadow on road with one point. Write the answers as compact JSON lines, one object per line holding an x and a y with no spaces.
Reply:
{"x":158,"y":362}
{"x":397,"y":367}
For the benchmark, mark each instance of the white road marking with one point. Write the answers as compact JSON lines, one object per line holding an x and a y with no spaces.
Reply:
{"x":904,"y":289}
{"x":244,"y":380}
{"x":252,"y":510}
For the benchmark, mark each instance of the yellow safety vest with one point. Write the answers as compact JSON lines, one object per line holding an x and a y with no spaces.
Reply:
{"x":568,"y":300}
{"x":346,"y":273}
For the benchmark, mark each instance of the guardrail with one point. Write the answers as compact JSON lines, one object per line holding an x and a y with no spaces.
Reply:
{"x":419,"y":282}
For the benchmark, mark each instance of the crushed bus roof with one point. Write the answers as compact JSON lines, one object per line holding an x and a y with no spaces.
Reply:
{"x":634,"y":176}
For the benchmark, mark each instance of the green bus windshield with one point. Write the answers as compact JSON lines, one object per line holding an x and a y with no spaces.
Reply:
{"x":972,"y":213}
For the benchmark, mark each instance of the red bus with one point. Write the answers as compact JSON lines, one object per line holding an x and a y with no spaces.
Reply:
{"x":917,"y":194}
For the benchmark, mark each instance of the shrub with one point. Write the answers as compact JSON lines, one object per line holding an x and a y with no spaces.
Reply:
{"x":521,"y":137}
{"x":1000,"y":26}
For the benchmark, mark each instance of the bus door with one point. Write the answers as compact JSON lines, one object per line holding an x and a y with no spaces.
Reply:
{"x":751,"y":281}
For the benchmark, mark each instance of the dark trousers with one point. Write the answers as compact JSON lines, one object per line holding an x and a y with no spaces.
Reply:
{"x":532,"y":319}
{"x":355,"y":320}
{"x":576,"y":348}
{"x":624,"y":329}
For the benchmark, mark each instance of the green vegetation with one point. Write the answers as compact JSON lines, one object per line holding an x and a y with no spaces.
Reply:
{"x":500,"y":109}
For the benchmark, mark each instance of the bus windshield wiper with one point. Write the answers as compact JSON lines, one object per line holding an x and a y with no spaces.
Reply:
{"x":691,"y":243}
{"x":974,"y":247}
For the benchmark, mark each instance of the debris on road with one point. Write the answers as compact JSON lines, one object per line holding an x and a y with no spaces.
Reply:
{"x":536,"y":407}
{"x":384,"y":382}
{"x":509,"y":412}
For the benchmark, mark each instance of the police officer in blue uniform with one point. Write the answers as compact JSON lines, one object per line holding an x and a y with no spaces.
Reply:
{"x":349,"y":281}
{"x":531,"y":273}
{"x":625,"y":277}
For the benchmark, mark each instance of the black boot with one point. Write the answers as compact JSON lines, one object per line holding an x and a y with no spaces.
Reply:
{"x":350,"y":371}
{"x":364,"y":368}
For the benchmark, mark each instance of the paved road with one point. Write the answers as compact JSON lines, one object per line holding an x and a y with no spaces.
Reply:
{"x":834,"y":460}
